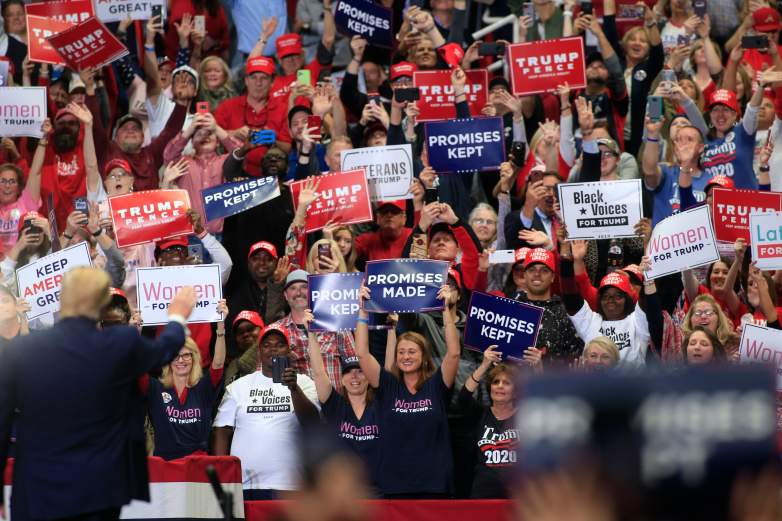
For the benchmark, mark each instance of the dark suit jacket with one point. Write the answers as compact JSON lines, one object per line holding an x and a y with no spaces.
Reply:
{"x":513,"y":226}
{"x":74,"y":387}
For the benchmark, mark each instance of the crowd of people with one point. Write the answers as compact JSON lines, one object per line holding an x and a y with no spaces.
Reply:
{"x":428,"y":418}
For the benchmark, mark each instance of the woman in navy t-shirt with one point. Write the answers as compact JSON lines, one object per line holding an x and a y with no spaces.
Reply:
{"x":415,"y":452}
{"x":181,"y":401}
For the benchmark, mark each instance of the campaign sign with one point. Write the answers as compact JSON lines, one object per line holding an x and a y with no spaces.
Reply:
{"x":540,"y":66}
{"x":465,"y":145}
{"x":89,"y":44}
{"x":149,"y":216}
{"x":232,"y":198}
{"x":762,"y":345}
{"x":367,"y":19}
{"x":766,"y":240}
{"x":343,"y":197}
{"x":682,"y":241}
{"x":334,"y":302}
{"x":437,"y":101}
{"x":39,"y":282}
{"x":39,"y":29}
{"x":731,"y":209}
{"x":118,"y":10}
{"x":509,"y":324}
{"x":155,"y":287}
{"x":389,"y":170}
{"x":71,"y":11}
{"x":22,"y":111}
{"x":601,"y":210}
{"x":405,"y":285}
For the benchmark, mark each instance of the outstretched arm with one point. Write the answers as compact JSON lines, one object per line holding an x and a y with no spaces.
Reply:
{"x":319,"y":374}
{"x":453,"y":344}
{"x":368,"y":363}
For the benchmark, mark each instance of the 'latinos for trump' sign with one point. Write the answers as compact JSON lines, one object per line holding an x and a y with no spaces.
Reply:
{"x":39,"y":282}
{"x":509,"y":324}
{"x":149,"y":216}
{"x":367,"y":19}
{"x":762,"y":345}
{"x":89,"y":44}
{"x":343,"y":197}
{"x":465,"y":145}
{"x":22,"y":111}
{"x":118,"y":10}
{"x":437,"y":97}
{"x":155,"y":287}
{"x":601,"y":210}
{"x":540,"y":66}
{"x":682,"y":241}
{"x":405,"y":285}
{"x":232,"y":198}
{"x":334,"y":301}
{"x":766,"y":240}
{"x":389,"y":170}
{"x":731,"y":209}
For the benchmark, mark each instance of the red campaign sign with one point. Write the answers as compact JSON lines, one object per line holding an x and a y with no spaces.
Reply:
{"x":343,"y":197}
{"x":89,"y":44}
{"x":540,"y":66}
{"x":731,"y":209}
{"x":437,"y":103}
{"x":149,"y":216}
{"x":71,"y":11}
{"x":38,"y":30}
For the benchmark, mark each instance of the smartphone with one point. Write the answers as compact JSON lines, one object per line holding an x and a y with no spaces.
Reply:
{"x":699,"y":8}
{"x":304,"y":77}
{"x":669,"y":75}
{"x":374,"y":97}
{"x":587,"y":8}
{"x":407,"y":94}
{"x":199,"y":23}
{"x":654,"y":108}
{"x":28,"y":223}
{"x":755,"y":41}
{"x":431,"y":195}
{"x":103,"y":210}
{"x":263,"y":137}
{"x":202,"y":107}
{"x":518,"y":153}
{"x":324,"y":251}
{"x":529,"y":10}
{"x":683,"y":40}
{"x":80,"y":205}
{"x":632,"y":12}
{"x":157,"y":10}
{"x":279,"y":365}
{"x":502,"y":257}
{"x":314,"y":122}
{"x":196,"y":252}
{"x":491,"y":49}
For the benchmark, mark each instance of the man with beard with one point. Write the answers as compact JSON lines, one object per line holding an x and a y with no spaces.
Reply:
{"x":538,"y":213}
{"x":388,"y":241}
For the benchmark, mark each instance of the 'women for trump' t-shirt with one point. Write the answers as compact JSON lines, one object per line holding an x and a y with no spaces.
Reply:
{"x":361,"y":434}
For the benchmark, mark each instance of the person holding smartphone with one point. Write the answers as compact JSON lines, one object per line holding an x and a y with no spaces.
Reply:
{"x":33,"y":243}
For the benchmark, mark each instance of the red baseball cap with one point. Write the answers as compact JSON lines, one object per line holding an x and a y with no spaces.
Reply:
{"x":520,"y":255}
{"x":619,"y":281}
{"x":766,"y":20}
{"x":275,"y":328}
{"x":456,"y":276}
{"x":399,"y":203}
{"x":171,"y":242}
{"x":117,"y":163}
{"x":28,"y":215}
{"x":452,"y":54}
{"x":633,"y":268}
{"x":260,"y":64}
{"x":250,"y":316}
{"x":287,"y":44}
{"x":65,"y":111}
{"x":540,"y":256}
{"x":721,"y":181}
{"x":724,"y":97}
{"x":116,"y":292}
{"x":402,"y":70}
{"x":265,"y":246}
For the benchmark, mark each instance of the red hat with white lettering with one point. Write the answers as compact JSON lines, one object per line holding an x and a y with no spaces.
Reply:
{"x":117,"y":163}
{"x":456,"y":276}
{"x":116,"y":292}
{"x":766,"y":20}
{"x":250,"y":316}
{"x":27,"y":217}
{"x":635,"y":271}
{"x":520,"y":255}
{"x":287,"y":44}
{"x":402,"y":70}
{"x":260,"y":64}
{"x":265,"y":246}
{"x":724,"y":97}
{"x":721,"y":181}
{"x":171,"y":242}
{"x":397,"y":203}
{"x":275,"y":328}
{"x":618,"y":280}
{"x":541,"y":256}
{"x":452,"y":54}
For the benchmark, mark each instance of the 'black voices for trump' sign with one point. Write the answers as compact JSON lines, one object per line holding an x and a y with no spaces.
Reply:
{"x":509,"y":324}
{"x":601,"y":210}
{"x":465,"y":145}
{"x":405,"y":285}
{"x":334,"y":301}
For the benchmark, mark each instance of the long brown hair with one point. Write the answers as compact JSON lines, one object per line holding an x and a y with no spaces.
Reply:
{"x":718,"y":349}
{"x":427,"y":364}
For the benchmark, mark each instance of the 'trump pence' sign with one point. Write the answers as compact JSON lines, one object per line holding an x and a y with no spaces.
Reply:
{"x":157,"y":286}
{"x":22,"y":111}
{"x":601,"y":210}
{"x":509,"y":324}
{"x":540,"y":66}
{"x":437,"y":97}
{"x":766,"y":239}
{"x":762,"y":345}
{"x":39,"y":282}
{"x":405,"y":285}
{"x":731,"y":209}
{"x":682,"y":241}
{"x":71,"y":11}
{"x":149,"y":216}
{"x":89,"y":44}
{"x":39,"y":28}
{"x":343,"y":197}
{"x":465,"y":145}
{"x":389,"y":170}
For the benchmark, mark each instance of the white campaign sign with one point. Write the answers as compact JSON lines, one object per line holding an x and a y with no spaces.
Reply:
{"x":39,"y":282}
{"x":389,"y":170}
{"x":155,"y":287}
{"x":762,"y":345}
{"x":118,"y":10}
{"x":22,"y":111}
{"x":682,"y":241}
{"x":601,"y":210}
{"x":765,"y":235}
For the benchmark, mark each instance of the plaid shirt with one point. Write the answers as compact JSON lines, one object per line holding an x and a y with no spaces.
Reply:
{"x":724,"y":16}
{"x":333,"y":347}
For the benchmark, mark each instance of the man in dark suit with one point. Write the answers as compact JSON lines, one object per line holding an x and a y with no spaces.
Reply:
{"x":73,"y":386}
{"x":537,"y":214}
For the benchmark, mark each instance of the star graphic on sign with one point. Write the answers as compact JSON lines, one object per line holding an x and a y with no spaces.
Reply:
{"x":583,"y":211}
{"x":255,"y":400}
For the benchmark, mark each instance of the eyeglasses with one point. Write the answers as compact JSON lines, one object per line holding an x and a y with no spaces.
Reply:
{"x":184,"y":357}
{"x":703,"y":313}
{"x":606,"y":154}
{"x":113,"y":175}
{"x":8,"y":182}
{"x":615,"y":297}
{"x":480,"y":221}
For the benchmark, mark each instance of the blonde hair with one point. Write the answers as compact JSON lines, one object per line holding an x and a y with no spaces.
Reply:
{"x":724,"y":326}
{"x":167,"y":376}
{"x":604,"y":343}
{"x":632,"y":32}
{"x":312,"y":256}
{"x":85,"y":291}
{"x":206,"y":61}
{"x":350,"y":262}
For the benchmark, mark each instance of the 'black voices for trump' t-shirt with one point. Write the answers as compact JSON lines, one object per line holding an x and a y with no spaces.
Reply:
{"x":415,"y":451}
{"x":361,"y":434}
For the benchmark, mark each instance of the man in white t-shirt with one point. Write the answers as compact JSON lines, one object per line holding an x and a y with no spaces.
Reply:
{"x":258,"y":420}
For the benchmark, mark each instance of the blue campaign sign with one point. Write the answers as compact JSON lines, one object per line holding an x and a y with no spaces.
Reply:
{"x":232,"y":198}
{"x":405,"y":285}
{"x":509,"y":324}
{"x":366,"y":19}
{"x":465,"y":145}
{"x":334,"y":302}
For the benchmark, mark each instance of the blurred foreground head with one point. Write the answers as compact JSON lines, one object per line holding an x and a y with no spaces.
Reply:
{"x":85,"y":291}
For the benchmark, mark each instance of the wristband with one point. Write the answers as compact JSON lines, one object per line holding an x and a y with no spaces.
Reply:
{"x":305,"y":154}
{"x":764,"y":168}
{"x":150,"y":48}
{"x":42,"y":143}
{"x":472,"y":375}
{"x":651,"y":140}
{"x":98,"y":233}
{"x":567,"y":13}
{"x":220,"y":333}
{"x":65,"y":234}
{"x":363,"y":320}
{"x":565,"y":107}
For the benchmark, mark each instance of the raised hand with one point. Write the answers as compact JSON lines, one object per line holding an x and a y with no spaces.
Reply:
{"x":309,"y":192}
